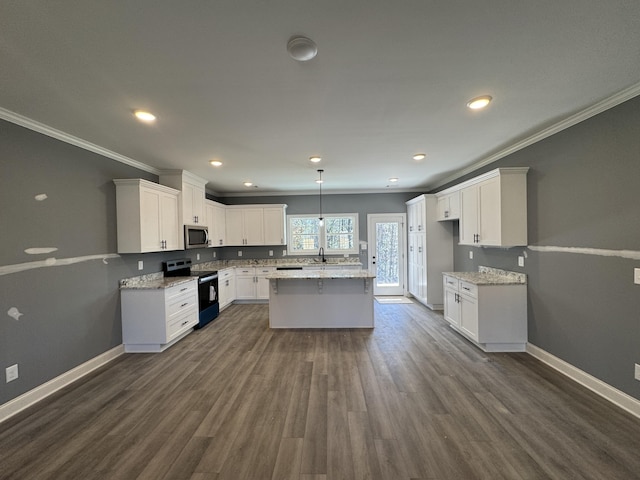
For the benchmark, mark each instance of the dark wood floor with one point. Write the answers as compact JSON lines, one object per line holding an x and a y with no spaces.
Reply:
{"x":408,"y":400}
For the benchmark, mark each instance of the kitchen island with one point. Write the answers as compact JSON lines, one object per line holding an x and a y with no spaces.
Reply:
{"x":321,"y":299}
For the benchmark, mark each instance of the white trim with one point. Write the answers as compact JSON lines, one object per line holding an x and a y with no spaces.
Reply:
{"x":25,"y":122}
{"x":12,"y":407}
{"x":599,"y":107}
{"x":615,"y":396}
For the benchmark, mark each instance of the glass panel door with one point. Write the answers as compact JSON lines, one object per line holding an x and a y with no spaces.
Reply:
{"x":386,"y":253}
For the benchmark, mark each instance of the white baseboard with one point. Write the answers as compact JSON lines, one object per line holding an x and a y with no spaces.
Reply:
{"x":615,"y":396}
{"x":27,"y":399}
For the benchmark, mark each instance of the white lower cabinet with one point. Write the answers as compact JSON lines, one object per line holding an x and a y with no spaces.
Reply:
{"x":153,"y":319}
{"x":252,"y":284}
{"x":226,"y":287}
{"x":493,"y":316}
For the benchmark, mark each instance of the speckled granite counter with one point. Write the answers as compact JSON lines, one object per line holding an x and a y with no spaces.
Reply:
{"x":490,"y":276}
{"x":319,"y":274}
{"x":280,"y":262}
{"x":152,"y":281}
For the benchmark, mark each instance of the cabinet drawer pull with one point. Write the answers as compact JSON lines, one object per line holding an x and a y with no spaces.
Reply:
{"x":183,"y":289}
{"x":184,"y":304}
{"x":466,"y":288}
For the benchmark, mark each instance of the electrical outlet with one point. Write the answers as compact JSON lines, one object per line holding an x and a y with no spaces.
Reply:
{"x":214,"y":254}
{"x":239,"y":253}
{"x":284,"y":253}
{"x":140,"y":265}
{"x":271,"y":253}
{"x":636,"y":276}
{"x":637,"y":372}
{"x":521,"y":261}
{"x":471,"y":254}
{"x":12,"y":373}
{"x":197,"y":256}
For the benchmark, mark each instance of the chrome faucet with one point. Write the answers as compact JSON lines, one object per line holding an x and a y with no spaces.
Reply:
{"x":321,"y":254}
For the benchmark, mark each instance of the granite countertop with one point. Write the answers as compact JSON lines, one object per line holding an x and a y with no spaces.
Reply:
{"x":152,"y":281}
{"x":490,"y":276}
{"x":319,"y":274}
{"x":294,"y":262}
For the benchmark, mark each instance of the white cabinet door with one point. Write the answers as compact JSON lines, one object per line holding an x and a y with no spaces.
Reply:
{"x":171,"y":230}
{"x":469,"y":215}
{"x":150,"y":217}
{"x":489,"y":223}
{"x":274,"y":226}
{"x":451,"y":306}
{"x":253,"y":228}
{"x":215,"y":213}
{"x":469,"y":315}
{"x":193,"y":204}
{"x":449,"y":207}
{"x":246,"y":283}
{"x":234,"y":226}
{"x":262,"y":284}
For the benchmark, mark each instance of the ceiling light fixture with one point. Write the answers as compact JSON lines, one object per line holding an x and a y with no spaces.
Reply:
{"x":144,"y":116}
{"x":315,"y":159}
{"x":419,"y":156}
{"x":319,"y":182}
{"x":301,"y":48}
{"x":216,"y":163}
{"x":479,"y":102}
{"x":393,"y":179}
{"x":247,"y":184}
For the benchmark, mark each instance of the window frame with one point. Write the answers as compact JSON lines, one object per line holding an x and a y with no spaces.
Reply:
{"x":322,"y":235}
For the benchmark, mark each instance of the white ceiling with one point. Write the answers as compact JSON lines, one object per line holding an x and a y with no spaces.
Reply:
{"x":390,"y":79}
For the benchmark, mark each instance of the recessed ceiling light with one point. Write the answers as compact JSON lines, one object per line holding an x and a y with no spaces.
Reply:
{"x":216,"y":163}
{"x":393,"y":179}
{"x":479,"y":102}
{"x":248,"y":184}
{"x":319,"y":180}
{"x":301,"y":48}
{"x":419,"y":156}
{"x":144,"y":116}
{"x":315,"y":159}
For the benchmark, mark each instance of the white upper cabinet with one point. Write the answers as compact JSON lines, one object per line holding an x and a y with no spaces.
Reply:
{"x":147,"y":217}
{"x":493,"y":209}
{"x":255,"y":225}
{"x":449,"y":206}
{"x":193,"y":195}
{"x":274,"y":221}
{"x":244,"y":225}
{"x":216,"y":221}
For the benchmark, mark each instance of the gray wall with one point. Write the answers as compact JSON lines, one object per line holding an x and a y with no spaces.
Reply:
{"x":582,"y":192}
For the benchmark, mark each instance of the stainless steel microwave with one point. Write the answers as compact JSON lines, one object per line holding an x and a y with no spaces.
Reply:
{"x":196,"y":236}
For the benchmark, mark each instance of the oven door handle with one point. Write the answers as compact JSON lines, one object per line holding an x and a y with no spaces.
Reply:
{"x":208,"y":278}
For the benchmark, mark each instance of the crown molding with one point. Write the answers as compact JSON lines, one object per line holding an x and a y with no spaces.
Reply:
{"x":599,"y":107}
{"x":25,"y":122}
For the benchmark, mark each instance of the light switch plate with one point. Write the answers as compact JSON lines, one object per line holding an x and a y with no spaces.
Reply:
{"x":239,"y":253}
{"x":521,"y":261}
{"x":140,"y":265}
{"x":636,"y":276}
{"x":271,"y":253}
{"x":471,"y":254}
{"x":637,"y":372}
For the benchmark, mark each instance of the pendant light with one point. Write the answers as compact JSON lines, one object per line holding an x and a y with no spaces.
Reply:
{"x":319,"y":182}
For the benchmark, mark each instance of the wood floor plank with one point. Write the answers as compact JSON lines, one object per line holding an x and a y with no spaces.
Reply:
{"x":408,"y":400}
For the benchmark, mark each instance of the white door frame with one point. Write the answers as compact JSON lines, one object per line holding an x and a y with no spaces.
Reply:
{"x":372,"y":219}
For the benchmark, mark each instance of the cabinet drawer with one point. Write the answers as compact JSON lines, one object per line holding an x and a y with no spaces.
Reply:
{"x":180,"y":322}
{"x":182,"y":303}
{"x":224,"y":274}
{"x":469,"y":289}
{"x":180,"y":290}
{"x":246,"y":271}
{"x":450,"y":282}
